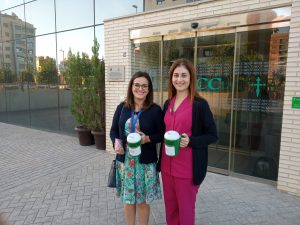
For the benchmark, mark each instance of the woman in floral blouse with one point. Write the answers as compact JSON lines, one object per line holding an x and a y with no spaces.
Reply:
{"x":137,"y":180}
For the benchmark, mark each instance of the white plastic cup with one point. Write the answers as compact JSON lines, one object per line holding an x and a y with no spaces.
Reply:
{"x":134,"y":141}
{"x":172,"y":142}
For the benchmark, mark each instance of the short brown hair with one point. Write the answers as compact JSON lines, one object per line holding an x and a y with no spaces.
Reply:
{"x":129,"y":102}
{"x":192,"y":88}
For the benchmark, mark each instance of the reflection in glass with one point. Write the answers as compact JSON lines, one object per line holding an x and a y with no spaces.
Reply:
{"x":70,"y":14}
{"x":13,"y":23}
{"x":33,"y":91}
{"x":70,"y":41}
{"x":258,"y":102}
{"x":9,"y":4}
{"x":66,"y":120}
{"x":214,"y":71}
{"x":147,"y":58}
{"x":44,"y":88}
{"x":3,"y":113}
{"x":17,"y":100}
{"x":2,"y":91}
{"x":40,"y":14}
{"x":18,"y":64}
{"x":99,"y":32}
{"x":15,"y":46}
{"x":172,"y":50}
{"x":16,"y":88}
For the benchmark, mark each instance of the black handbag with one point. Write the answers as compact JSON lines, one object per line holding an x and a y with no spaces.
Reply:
{"x":111,"y":182}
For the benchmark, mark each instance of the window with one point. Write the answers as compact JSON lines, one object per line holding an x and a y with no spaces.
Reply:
{"x":19,"y":28}
{"x":29,"y":45}
{"x":7,"y":65}
{"x":20,"y":58}
{"x":7,"y":48}
{"x":283,"y":42}
{"x":207,"y":52}
{"x":20,"y":50}
{"x":30,"y":40}
{"x":21,"y":66}
{"x":31,"y":31}
{"x":18,"y":42}
{"x":159,"y":2}
{"x":5,"y":24}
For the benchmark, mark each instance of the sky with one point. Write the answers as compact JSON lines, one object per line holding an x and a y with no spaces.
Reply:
{"x":70,"y":14}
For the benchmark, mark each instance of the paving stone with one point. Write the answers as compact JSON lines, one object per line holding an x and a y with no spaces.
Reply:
{"x":47,"y":178}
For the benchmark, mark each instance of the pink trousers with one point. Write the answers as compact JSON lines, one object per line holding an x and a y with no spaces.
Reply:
{"x":180,"y":198}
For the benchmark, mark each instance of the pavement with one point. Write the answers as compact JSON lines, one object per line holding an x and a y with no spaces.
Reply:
{"x":49,"y":179}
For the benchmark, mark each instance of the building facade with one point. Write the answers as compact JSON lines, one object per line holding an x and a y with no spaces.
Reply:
{"x":36,"y":33}
{"x":247,"y":58}
{"x":16,"y":49}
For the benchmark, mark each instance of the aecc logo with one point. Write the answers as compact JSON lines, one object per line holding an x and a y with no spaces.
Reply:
{"x":212,"y":84}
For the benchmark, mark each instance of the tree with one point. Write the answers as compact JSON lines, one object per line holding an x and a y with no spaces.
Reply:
{"x":77,"y":68}
{"x":27,"y":75}
{"x":7,"y":76}
{"x":77,"y":72}
{"x":85,"y":76}
{"x":97,"y":90}
{"x":47,"y":71}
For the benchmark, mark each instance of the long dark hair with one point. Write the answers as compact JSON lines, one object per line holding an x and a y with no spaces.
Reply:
{"x":192,"y":88}
{"x":129,"y":102}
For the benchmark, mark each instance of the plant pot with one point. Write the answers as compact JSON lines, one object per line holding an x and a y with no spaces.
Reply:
{"x":99,"y":137}
{"x":84,"y":135}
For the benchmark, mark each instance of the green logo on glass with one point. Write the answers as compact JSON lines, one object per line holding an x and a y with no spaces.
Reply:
{"x":258,"y":85}
{"x":213,"y":84}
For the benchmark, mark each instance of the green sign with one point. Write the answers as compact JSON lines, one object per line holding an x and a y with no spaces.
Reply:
{"x":296,"y":103}
{"x":216,"y":83}
{"x":258,"y":85}
{"x":212,"y":84}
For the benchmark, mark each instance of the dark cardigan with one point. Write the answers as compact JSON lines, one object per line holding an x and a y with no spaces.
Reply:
{"x":204,"y":132}
{"x":151,"y":124}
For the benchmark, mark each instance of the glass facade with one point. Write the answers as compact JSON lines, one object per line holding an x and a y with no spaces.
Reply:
{"x":241,"y":73}
{"x":35,"y":38}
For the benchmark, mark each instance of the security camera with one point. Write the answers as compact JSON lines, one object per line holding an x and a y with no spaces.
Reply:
{"x":194,"y":25}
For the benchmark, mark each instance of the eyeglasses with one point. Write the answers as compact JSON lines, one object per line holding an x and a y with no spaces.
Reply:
{"x":143,"y":86}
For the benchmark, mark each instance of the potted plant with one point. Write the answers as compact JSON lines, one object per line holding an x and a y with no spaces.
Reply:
{"x":97,"y":96}
{"x":77,"y":73}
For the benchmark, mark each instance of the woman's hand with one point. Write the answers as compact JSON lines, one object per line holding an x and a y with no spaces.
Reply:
{"x":184,"y":140}
{"x":118,"y":147}
{"x":145,"y":138}
{"x":119,"y":150}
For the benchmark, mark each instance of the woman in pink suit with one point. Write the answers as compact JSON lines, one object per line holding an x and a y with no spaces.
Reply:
{"x":188,"y":114}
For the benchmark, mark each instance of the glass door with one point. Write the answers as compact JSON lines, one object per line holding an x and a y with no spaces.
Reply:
{"x":175,"y":47}
{"x":241,"y":73}
{"x":147,"y":57}
{"x":214,"y":69}
{"x":258,"y":101}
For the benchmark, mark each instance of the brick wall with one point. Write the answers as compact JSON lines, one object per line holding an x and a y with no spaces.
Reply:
{"x":289,"y":164}
{"x":117,"y":42}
